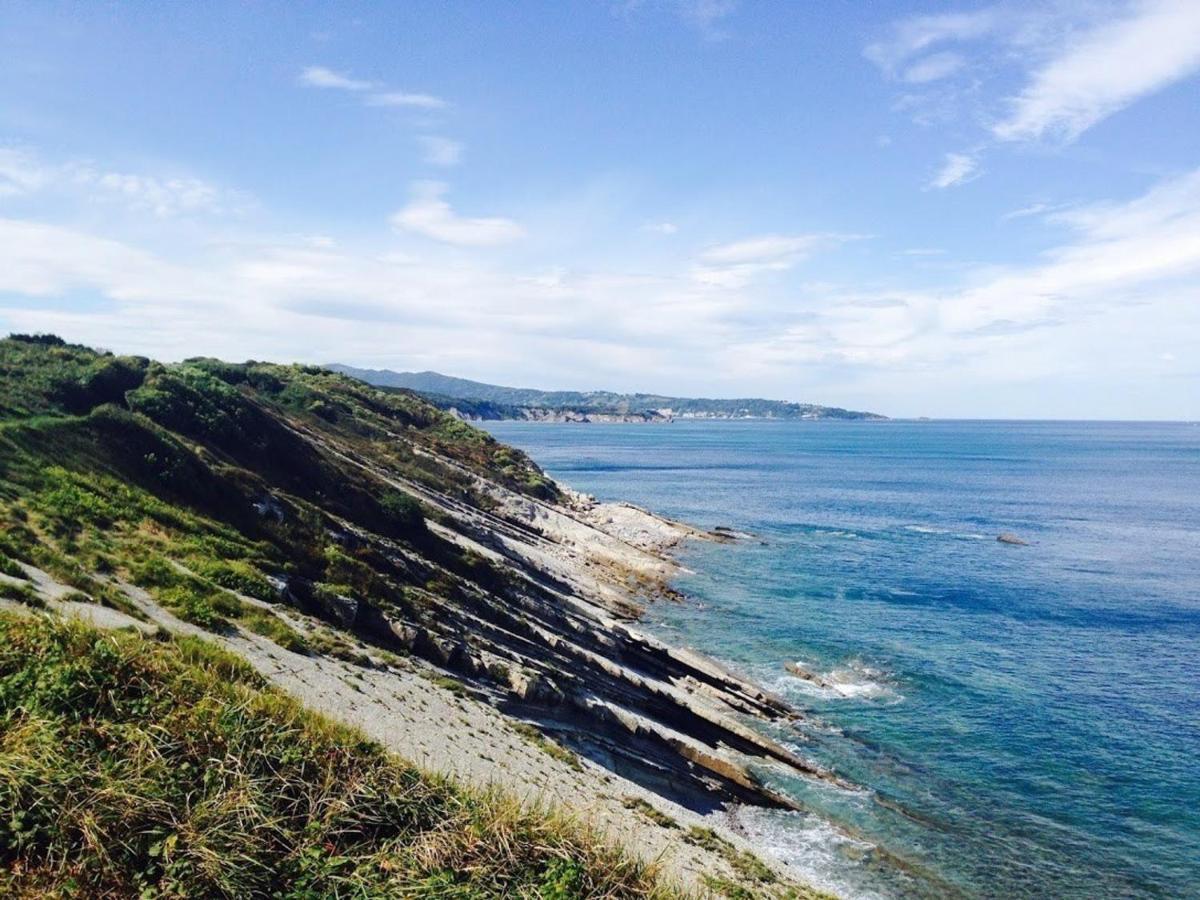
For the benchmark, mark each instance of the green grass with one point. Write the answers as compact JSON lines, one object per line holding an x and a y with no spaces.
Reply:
{"x":106,"y":461}
{"x":200,"y":602}
{"x":130,"y":766}
{"x":22,"y":593}
{"x":655,"y":815}
{"x":547,"y":746}
{"x":749,"y":868}
{"x":453,"y":685}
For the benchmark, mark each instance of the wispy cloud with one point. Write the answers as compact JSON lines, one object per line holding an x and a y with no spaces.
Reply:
{"x":736,"y":264}
{"x":957,"y":168}
{"x":1079,"y":63}
{"x":665,"y":228}
{"x":912,"y":36}
{"x":1034,"y":210}
{"x":20,"y":173}
{"x":373,"y":93}
{"x":1106,"y":69}
{"x":706,"y":15}
{"x":428,"y":214}
{"x":320,"y":77}
{"x":1125,"y":278}
{"x":23,"y":172}
{"x":933,"y":68}
{"x":441,"y":151}
{"x":403,"y":98}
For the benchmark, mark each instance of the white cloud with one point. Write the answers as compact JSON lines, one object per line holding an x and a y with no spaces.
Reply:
{"x":440,"y":151}
{"x":402,"y":98}
{"x":320,"y":77}
{"x":1120,"y":250}
{"x":1106,"y":69}
{"x":23,"y":172}
{"x":1097,"y":306}
{"x":374,"y":93}
{"x":429,"y":215}
{"x":163,"y":197}
{"x":705,"y":15}
{"x":933,"y":67}
{"x":912,"y":36}
{"x":1025,"y":212}
{"x":736,"y":264}
{"x":957,"y":168}
{"x":1087,"y":311}
{"x":665,"y":228}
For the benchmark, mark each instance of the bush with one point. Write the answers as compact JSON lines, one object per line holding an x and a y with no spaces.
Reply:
{"x":402,"y":512}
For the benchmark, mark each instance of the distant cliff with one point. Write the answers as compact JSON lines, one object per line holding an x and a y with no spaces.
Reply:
{"x":478,"y":400}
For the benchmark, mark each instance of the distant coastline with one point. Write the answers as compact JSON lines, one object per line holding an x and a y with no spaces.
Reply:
{"x":478,"y":401}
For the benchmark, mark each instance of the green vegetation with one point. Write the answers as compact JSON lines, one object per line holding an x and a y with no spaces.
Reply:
{"x":208,"y":482}
{"x":22,"y":593}
{"x":228,"y":493}
{"x":550,"y":748}
{"x":453,"y":685}
{"x":652,"y":813}
{"x":166,"y":769}
{"x":203,"y":603}
{"x":748,"y":866}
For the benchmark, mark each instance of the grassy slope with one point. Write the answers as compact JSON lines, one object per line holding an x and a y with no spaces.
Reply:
{"x":191,"y":480}
{"x":165,"y":768}
{"x":121,"y":466}
{"x":127,"y":764}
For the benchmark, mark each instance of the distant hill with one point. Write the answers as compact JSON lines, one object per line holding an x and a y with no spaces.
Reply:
{"x":478,"y":400}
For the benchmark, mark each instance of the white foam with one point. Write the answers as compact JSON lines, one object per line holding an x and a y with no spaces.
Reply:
{"x":852,"y":681}
{"x":925,"y":529}
{"x":833,"y":533}
{"x":961,"y":535}
{"x":820,"y":853}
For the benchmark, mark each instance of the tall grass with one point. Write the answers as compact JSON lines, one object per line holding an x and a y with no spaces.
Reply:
{"x":166,"y":768}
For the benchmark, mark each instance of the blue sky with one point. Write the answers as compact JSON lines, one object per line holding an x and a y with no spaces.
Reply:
{"x":917,"y":208}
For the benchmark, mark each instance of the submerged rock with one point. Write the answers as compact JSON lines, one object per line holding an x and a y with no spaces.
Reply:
{"x":800,"y":672}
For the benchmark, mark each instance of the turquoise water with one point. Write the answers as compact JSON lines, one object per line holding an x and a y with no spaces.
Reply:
{"x":1019,"y":720}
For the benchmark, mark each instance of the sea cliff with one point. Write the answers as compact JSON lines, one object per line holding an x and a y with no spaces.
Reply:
{"x":393,"y":568}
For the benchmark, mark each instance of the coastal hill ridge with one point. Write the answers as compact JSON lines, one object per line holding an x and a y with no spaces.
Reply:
{"x":477,"y":400}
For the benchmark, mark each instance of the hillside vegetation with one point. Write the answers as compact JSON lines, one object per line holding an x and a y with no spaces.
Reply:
{"x":315,"y":524}
{"x":130,"y":767}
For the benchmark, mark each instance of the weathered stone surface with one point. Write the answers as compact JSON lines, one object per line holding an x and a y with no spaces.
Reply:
{"x":1010,"y":538}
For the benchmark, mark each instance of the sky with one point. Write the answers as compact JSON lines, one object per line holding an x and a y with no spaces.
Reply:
{"x":921,"y":209}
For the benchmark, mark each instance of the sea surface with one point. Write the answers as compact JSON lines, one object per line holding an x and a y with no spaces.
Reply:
{"x":1019,"y":721}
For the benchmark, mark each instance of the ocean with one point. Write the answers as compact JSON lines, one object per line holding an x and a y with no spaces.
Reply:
{"x":1016,"y":721}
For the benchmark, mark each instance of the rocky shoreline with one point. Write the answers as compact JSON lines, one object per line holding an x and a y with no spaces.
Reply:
{"x":572,"y":657}
{"x":660,"y":731}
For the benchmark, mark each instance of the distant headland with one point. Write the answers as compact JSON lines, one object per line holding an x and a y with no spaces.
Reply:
{"x":476,"y":400}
